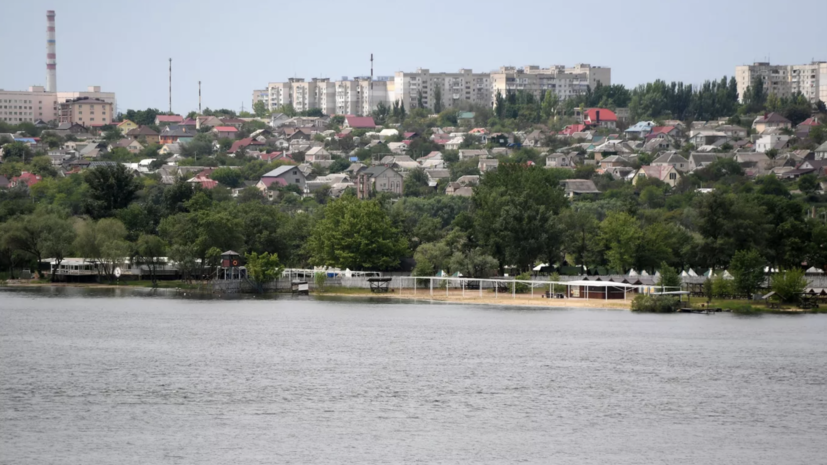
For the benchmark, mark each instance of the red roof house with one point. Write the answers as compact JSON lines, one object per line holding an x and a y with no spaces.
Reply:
{"x":359,"y":122}
{"x":225,"y":131}
{"x":573,"y":128}
{"x":600,"y":117}
{"x":26,"y":178}
{"x":246,"y":143}
{"x":168,"y":119}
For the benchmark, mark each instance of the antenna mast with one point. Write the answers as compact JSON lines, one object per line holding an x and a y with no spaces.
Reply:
{"x":199,"y":97}
{"x":170,"y":85}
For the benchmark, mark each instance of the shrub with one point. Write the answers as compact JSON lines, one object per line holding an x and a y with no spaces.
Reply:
{"x":655,"y":304}
{"x":789,"y":285}
{"x":522,"y":288}
{"x":744,"y":309}
{"x":319,"y":279}
{"x":722,"y":287}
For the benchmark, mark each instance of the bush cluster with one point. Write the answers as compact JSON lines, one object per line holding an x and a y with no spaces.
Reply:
{"x":655,"y":304}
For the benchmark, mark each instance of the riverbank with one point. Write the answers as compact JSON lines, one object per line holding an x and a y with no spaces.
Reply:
{"x":475,"y":298}
{"x":456,"y":296}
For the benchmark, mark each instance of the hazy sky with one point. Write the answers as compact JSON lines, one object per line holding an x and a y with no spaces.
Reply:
{"x":236,"y":46}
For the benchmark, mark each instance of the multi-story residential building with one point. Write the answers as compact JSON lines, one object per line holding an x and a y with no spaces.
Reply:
{"x":361,"y":95}
{"x":281,"y":94}
{"x":565,"y":82}
{"x":785,"y":80}
{"x":86,"y":111}
{"x":261,"y":95}
{"x":32,"y":105}
{"x":37,"y":104}
{"x":463,"y":86}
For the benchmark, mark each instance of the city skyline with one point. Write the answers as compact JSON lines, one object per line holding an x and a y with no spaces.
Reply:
{"x":129,"y":54}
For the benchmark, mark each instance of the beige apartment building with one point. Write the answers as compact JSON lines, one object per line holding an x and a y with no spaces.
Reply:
{"x":565,"y":82}
{"x":86,"y":111}
{"x":37,"y":104}
{"x":28,"y":106}
{"x":361,"y":95}
{"x":785,"y":80}
{"x":456,"y":88}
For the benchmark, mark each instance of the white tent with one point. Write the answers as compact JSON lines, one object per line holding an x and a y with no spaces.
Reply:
{"x":692,"y":273}
{"x":540,"y":266}
{"x":644,"y":273}
{"x":814,"y":270}
{"x":632,"y":272}
{"x":727,"y":275}
{"x":657,"y":274}
{"x":684,"y":274}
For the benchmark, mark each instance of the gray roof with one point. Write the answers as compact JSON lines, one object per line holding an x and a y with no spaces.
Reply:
{"x":438,"y":174}
{"x":670,"y":158}
{"x":579,"y":186}
{"x":278,"y":171}
{"x":377,"y":170}
{"x":822,"y":148}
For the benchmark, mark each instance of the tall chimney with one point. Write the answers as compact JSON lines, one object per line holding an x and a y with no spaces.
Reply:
{"x":51,"y":56}
{"x":199,"y":97}
{"x":170,"y":85}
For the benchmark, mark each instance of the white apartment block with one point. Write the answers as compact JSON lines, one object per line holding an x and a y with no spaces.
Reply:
{"x":361,"y":95}
{"x":565,"y":82}
{"x":37,"y":104}
{"x":463,"y":86}
{"x":785,"y":80}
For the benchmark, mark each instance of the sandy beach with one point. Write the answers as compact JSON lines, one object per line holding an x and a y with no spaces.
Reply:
{"x":488,"y":298}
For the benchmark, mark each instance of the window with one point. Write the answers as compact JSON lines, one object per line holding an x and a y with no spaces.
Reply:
{"x":297,"y":181}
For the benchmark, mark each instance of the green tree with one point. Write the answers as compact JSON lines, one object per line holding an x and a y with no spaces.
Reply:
{"x":808,"y":183}
{"x":789,"y":285}
{"x":263,"y":268}
{"x":474,"y":264}
{"x":17,"y":151}
{"x":416,"y":184}
{"x":550,"y":102}
{"x":669,"y":278}
{"x":357,"y":235}
{"x":150,"y":250}
{"x":40,"y":235}
{"x":110,"y":188}
{"x":621,"y":236}
{"x":103,"y":243}
{"x":437,"y":99}
{"x":431,"y":258}
{"x":260,"y":109}
{"x":818,"y":134}
{"x":227,"y":176}
{"x":747,"y":269}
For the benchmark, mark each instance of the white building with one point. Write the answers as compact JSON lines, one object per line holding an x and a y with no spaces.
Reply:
{"x":785,"y":80}
{"x":463,"y":86}
{"x":565,"y":82}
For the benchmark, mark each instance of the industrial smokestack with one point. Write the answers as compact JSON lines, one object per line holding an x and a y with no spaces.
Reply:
{"x":170,"y":85}
{"x":51,"y":55}
{"x":199,"y":97}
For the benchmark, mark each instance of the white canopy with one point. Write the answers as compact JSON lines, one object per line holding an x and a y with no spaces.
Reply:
{"x":692,"y":273}
{"x":632,"y":272}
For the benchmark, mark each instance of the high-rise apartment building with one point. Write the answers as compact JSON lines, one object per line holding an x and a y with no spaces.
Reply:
{"x":261,"y":95}
{"x":565,"y":82}
{"x":361,"y":95}
{"x":455,"y":88}
{"x":785,"y":80}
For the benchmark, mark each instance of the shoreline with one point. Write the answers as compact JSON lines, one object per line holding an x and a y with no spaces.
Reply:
{"x":455,"y":297}
{"x":520,"y":300}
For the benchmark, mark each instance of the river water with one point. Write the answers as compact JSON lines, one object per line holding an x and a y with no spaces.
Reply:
{"x":136,"y":377}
